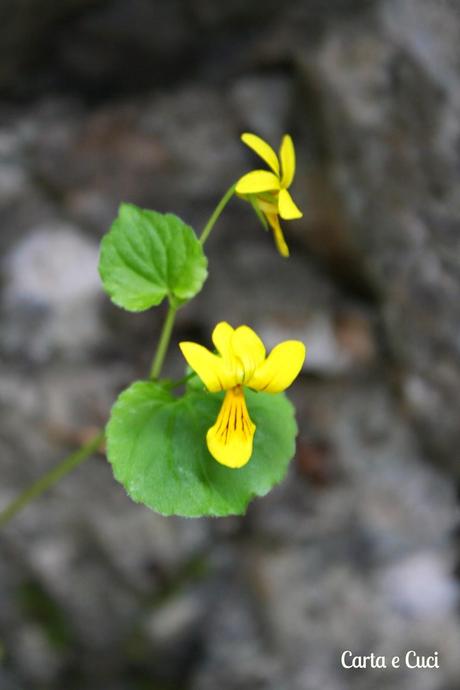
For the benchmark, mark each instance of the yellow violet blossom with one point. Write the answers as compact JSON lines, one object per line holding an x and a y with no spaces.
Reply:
{"x":241,"y":361}
{"x":268,"y":190}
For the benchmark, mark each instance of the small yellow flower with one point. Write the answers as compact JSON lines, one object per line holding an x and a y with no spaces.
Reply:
{"x":240,"y":362}
{"x":268,"y":191}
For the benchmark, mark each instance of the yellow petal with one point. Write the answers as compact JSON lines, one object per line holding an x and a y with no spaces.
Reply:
{"x":287,"y":156}
{"x":280,"y":368}
{"x":221,"y":337}
{"x":230,"y":439}
{"x":209,"y":367}
{"x":287,"y":208}
{"x":263,"y":150}
{"x":248,"y":350}
{"x":278,"y":234}
{"x":257,"y":181}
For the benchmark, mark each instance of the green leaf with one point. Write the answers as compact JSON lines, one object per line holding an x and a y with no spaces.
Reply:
{"x":147,"y":256}
{"x":156,"y":445}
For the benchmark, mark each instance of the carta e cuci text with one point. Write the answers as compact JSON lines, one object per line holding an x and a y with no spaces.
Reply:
{"x":410,"y":660}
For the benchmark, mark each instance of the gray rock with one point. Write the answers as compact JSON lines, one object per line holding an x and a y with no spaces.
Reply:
{"x":263,"y":105}
{"x":52,"y":283}
{"x":421,"y":586}
{"x":387,"y":104}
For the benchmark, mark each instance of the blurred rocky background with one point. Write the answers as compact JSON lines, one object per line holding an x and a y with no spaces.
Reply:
{"x":144,"y":101}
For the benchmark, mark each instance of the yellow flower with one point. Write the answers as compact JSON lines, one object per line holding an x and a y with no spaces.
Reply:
{"x":240,"y":362}
{"x":268,"y":191}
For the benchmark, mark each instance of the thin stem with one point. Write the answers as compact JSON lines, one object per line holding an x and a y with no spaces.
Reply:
{"x":166,"y":332}
{"x":180,"y":382}
{"x":163,"y":343}
{"x":52,"y":477}
{"x":216,"y":213}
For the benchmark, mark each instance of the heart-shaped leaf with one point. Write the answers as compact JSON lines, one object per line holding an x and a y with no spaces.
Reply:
{"x":156,"y":445}
{"x":147,"y":256}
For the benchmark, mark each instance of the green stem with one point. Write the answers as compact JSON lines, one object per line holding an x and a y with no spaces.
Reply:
{"x":180,"y":382}
{"x":52,"y":477}
{"x":163,"y":343}
{"x":216,"y":213}
{"x":166,"y":332}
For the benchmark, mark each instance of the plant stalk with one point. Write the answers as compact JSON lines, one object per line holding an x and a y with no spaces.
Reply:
{"x":216,"y":213}
{"x":50,"y":478}
{"x":163,"y":343}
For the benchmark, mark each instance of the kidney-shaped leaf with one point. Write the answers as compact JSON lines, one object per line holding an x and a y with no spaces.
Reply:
{"x":147,"y":256}
{"x":156,"y":445}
